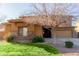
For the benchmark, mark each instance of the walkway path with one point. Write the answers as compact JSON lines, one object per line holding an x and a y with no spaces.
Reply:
{"x":59,"y":43}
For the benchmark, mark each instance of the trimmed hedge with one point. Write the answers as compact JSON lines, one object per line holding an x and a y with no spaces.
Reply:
{"x":10,"y":38}
{"x":68,"y":44}
{"x":38,"y":39}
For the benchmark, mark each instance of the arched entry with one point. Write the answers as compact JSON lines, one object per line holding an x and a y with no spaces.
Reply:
{"x":46,"y":32}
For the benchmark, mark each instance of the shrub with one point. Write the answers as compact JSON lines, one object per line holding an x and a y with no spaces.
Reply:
{"x":68,"y":44}
{"x":38,"y":39}
{"x":10,"y":38}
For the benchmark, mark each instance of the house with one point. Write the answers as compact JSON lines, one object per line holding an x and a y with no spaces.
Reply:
{"x":77,"y":29}
{"x":26,"y":27}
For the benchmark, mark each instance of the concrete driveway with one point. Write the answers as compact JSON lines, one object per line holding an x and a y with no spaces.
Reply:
{"x":60,"y":45}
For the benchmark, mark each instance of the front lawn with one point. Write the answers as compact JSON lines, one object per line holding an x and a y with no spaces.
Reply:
{"x":30,"y":49}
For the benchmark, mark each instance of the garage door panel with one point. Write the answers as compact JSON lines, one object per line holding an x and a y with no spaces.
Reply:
{"x":63,"y":34}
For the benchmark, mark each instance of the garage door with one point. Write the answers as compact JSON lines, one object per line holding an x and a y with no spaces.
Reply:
{"x":63,"y":34}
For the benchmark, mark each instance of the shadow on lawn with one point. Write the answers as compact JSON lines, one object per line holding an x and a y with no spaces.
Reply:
{"x":48,"y":48}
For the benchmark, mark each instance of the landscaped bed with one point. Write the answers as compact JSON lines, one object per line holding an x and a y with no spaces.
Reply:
{"x":30,"y":49}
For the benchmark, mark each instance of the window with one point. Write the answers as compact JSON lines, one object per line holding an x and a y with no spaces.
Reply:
{"x":22,"y":31}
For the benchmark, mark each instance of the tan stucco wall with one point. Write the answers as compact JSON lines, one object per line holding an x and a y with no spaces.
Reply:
{"x":38,"y":30}
{"x":35,"y":29}
{"x":7,"y":31}
{"x":13,"y":28}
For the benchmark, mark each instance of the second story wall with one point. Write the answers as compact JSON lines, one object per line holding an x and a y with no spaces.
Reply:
{"x":63,"y":21}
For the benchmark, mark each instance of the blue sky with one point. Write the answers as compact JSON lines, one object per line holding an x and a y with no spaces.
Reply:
{"x":13,"y":10}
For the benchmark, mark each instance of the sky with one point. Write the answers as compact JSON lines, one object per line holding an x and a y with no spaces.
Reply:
{"x":14,"y":10}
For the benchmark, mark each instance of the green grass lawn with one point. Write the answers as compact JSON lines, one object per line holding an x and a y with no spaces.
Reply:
{"x":30,"y":49}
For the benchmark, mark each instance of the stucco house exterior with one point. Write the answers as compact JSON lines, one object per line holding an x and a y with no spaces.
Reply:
{"x":24,"y":30}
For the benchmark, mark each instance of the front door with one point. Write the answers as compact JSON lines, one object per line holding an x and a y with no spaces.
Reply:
{"x":47,"y":32}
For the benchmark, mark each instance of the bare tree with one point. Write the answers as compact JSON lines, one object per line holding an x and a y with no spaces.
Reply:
{"x":51,"y":15}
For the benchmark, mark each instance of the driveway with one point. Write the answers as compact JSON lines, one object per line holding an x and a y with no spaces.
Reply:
{"x":59,"y":44}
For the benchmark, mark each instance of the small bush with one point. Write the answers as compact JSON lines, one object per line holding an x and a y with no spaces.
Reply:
{"x":38,"y":39}
{"x":68,"y":44}
{"x":10,"y":38}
